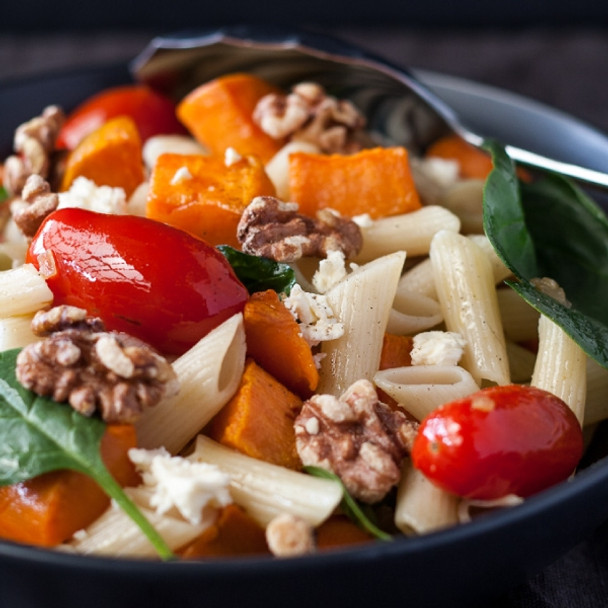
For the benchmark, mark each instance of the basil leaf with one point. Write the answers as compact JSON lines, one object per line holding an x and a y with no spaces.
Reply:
{"x":550,"y":228}
{"x":38,"y":435}
{"x":3,"y":194}
{"x":350,"y":506}
{"x":259,"y":274}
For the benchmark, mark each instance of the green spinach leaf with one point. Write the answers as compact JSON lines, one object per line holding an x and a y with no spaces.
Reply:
{"x":350,"y":506}
{"x":259,"y":274}
{"x":38,"y":435}
{"x":550,"y":228}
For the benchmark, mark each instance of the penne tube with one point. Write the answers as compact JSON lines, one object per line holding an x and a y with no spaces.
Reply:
{"x":115,"y":534}
{"x":412,"y":313}
{"x":419,"y":279}
{"x":561,"y":366}
{"x":209,"y":374}
{"x":16,"y":332}
{"x":23,"y":291}
{"x":465,"y":287}
{"x":499,"y":270}
{"x":362,"y":302}
{"x":421,"y":506}
{"x":596,"y":404}
{"x":421,"y":388}
{"x":411,"y":232}
{"x":266,"y":490}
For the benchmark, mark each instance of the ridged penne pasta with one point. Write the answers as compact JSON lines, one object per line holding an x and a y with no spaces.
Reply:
{"x":419,"y":279}
{"x":16,"y":332}
{"x":115,"y":533}
{"x":266,"y":490}
{"x":421,"y":388}
{"x":23,"y":291}
{"x":561,"y":366}
{"x":465,"y":286}
{"x":421,"y":506}
{"x":596,"y":404}
{"x":410,"y":232}
{"x":209,"y":374}
{"x":499,"y":270}
{"x":362,"y":302}
{"x":412,"y":313}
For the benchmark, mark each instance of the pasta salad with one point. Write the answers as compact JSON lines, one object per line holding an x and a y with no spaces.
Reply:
{"x":260,"y":330}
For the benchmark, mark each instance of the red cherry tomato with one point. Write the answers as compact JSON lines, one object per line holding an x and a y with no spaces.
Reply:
{"x":501,"y":440}
{"x":153,"y":113}
{"x":139,"y":276}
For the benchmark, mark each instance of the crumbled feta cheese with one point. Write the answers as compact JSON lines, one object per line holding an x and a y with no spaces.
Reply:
{"x":318,"y":322}
{"x":441,"y":171}
{"x":231,"y":156}
{"x":177,"y":482}
{"x":85,"y":194}
{"x":437,"y":348}
{"x":181,"y":175}
{"x":363,"y":221}
{"x":331,"y":271}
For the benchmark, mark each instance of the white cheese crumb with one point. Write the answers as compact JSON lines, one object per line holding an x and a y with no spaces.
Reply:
{"x":231,"y":157}
{"x":85,"y":194}
{"x":177,"y":482}
{"x":181,"y":175}
{"x":437,"y":348}
{"x":331,"y":271}
{"x":318,"y":322}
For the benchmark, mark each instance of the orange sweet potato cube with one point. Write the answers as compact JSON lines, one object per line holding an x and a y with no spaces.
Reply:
{"x":205,"y":195}
{"x":219,"y":114}
{"x":258,"y":420}
{"x":109,"y":156}
{"x":377,"y":181}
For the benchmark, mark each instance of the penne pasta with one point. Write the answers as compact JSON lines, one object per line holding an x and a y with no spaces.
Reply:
{"x":266,"y":490}
{"x":561,"y":366}
{"x":411,"y":232}
{"x":464,"y":199}
{"x":23,"y":291}
{"x":465,"y":286}
{"x":421,"y":506}
{"x":362,"y":302}
{"x":412,"y":313}
{"x":419,"y":279}
{"x":209,"y":374}
{"x":16,"y":332}
{"x":421,"y":388}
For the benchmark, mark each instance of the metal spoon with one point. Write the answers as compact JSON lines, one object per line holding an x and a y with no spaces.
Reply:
{"x":399,"y":107}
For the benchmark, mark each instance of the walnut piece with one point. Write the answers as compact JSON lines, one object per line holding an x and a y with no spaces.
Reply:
{"x":356,"y":436}
{"x":309,"y":114}
{"x":33,"y":144}
{"x":274,"y":229}
{"x":94,"y":370}
{"x":289,"y":536}
{"x":35,"y":203}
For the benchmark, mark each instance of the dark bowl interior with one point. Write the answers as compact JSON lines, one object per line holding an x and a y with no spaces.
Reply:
{"x":459,"y":566}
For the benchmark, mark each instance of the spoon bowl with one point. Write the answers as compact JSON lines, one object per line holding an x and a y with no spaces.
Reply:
{"x":399,"y":107}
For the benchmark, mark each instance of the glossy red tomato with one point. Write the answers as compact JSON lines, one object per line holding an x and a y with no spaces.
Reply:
{"x":139,"y":276}
{"x":153,"y":113}
{"x":501,"y":440}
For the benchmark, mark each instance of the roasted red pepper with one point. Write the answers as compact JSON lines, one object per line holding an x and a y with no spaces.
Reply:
{"x":501,"y":440}
{"x":153,"y":113}
{"x":139,"y":276}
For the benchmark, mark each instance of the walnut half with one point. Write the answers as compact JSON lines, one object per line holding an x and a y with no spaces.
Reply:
{"x":274,"y":229}
{"x":92,"y":369}
{"x":356,"y":436}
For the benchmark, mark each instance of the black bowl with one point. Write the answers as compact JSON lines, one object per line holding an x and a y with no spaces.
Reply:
{"x":459,"y":566}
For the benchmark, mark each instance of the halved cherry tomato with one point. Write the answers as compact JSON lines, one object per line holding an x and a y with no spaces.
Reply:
{"x":501,"y":440}
{"x":139,"y":276}
{"x":153,"y":113}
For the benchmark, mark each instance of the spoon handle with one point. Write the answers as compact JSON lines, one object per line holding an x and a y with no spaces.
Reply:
{"x":589,"y":176}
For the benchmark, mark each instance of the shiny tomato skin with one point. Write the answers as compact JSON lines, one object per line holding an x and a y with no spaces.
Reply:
{"x":139,"y":276}
{"x":501,"y":440}
{"x":153,"y":113}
